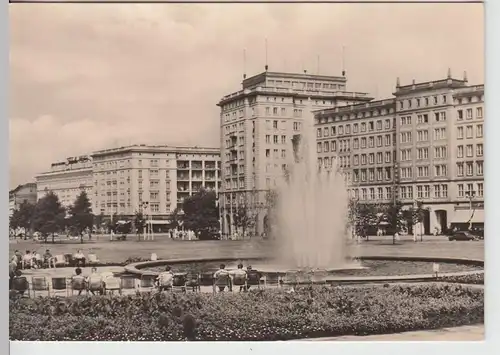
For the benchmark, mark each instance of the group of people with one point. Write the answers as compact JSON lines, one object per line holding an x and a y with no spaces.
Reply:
{"x":95,"y":282}
{"x":31,"y":259}
{"x":223,"y":278}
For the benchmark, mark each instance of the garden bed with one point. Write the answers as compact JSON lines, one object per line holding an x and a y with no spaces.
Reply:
{"x":257,"y":315}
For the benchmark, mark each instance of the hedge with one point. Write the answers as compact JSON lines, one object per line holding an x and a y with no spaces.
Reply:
{"x":471,"y":279}
{"x":256,"y":315}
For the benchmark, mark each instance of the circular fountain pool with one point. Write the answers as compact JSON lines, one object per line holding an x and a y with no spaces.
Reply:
{"x":366,"y":269}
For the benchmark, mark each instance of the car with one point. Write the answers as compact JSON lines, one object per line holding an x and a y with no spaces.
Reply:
{"x":462,"y":236}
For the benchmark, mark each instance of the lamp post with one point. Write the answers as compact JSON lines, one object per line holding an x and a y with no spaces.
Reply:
{"x":145,"y":205}
{"x":470,"y":195}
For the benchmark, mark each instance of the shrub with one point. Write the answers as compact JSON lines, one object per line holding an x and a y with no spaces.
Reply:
{"x":471,"y":279}
{"x":256,"y":315}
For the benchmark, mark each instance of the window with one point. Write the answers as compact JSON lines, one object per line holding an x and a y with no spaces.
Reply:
{"x":356,"y":160}
{"x":296,"y":126}
{"x":439,"y":133}
{"x":387,"y":173}
{"x":460,"y":151}
{"x":364,"y":196}
{"x":440,"y":116}
{"x":319,"y":148}
{"x":422,"y":153}
{"x":479,"y":131}
{"x":379,"y":158}
{"x":379,"y":125}
{"x":479,"y":150}
{"x":363,"y":159}
{"x":460,"y":169}
{"x":423,"y":136}
{"x":325,"y":132}
{"x":406,"y":173}
{"x":405,"y":120}
{"x":371,"y":126}
{"x":334,"y":146}
{"x":440,"y":170}
{"x":460,"y":115}
{"x":363,"y":143}
{"x":334,"y":131}
{"x":422,"y":119}
{"x":379,"y":174}
{"x":371,"y":173}
{"x":355,"y":143}
{"x":363,"y":175}
{"x":268,"y":111}
{"x":460,"y":133}
{"x":469,"y":168}
{"x":405,"y":137}
{"x":275,"y":124}
{"x":268,"y":152}
{"x":283,"y":151}
{"x":275,"y":112}
{"x":387,"y":157}
{"x":480,"y":189}
{"x":355,"y":128}
{"x":283,"y":139}
{"x":371,"y":142}
{"x":437,"y":191}
{"x":379,"y":141}
{"x":468,"y":132}
{"x":348,"y":129}
{"x":406,"y":154}
{"x":387,"y":140}
{"x":371,"y":158}
{"x":469,"y":150}
{"x":318,"y":133}
{"x":420,"y":191}
{"x":268,"y":138}
{"x":479,"y":168}
{"x":422,"y":171}
{"x":283,"y":111}
{"x":363,"y":127}
{"x":460,"y":188}
{"x":341,"y":129}
{"x":468,"y":114}
{"x":479,"y":112}
{"x":372,"y":193}
{"x":440,"y":152}
{"x":275,"y":139}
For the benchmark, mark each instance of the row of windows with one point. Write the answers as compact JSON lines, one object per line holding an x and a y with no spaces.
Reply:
{"x":467,"y":168}
{"x":372,"y":174}
{"x":425,"y":101}
{"x":469,"y":150}
{"x":468,"y":114}
{"x":370,"y":158}
{"x":469,"y":131}
{"x":406,"y":154}
{"x":423,"y":118}
{"x":340,"y":130}
{"x":440,"y":170}
{"x":304,"y":84}
{"x":325,"y":147}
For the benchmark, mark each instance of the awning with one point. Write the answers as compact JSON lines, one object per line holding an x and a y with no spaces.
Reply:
{"x":463,"y":216}
{"x":158,"y":222}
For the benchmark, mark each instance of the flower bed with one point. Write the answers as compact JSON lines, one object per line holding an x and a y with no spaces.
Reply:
{"x":257,"y":315}
{"x":472,"y":279}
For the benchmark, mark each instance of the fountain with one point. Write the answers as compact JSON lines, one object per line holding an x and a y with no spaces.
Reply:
{"x":312,"y":210}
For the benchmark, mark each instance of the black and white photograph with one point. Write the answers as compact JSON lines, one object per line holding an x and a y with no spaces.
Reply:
{"x":255,"y":172}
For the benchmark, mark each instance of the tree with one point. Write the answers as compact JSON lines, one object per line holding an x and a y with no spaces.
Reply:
{"x":139,"y":222}
{"x":270,"y":219}
{"x":49,"y":215}
{"x":23,"y":216}
{"x":81,"y":216}
{"x":363,"y":216}
{"x":98,"y":220}
{"x":418,"y":216}
{"x":243,"y":218}
{"x":201,"y":214}
{"x":176,"y":218}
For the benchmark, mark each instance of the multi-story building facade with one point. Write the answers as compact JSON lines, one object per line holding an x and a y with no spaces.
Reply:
{"x":22,"y":193}
{"x":425,"y":145}
{"x":361,"y":141}
{"x":257,"y":125}
{"x":152,"y":179}
{"x":67,"y":179}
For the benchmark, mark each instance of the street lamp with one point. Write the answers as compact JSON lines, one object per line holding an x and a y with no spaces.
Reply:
{"x":470,"y":195}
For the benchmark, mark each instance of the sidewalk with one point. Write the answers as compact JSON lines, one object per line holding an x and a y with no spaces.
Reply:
{"x":463,"y":333}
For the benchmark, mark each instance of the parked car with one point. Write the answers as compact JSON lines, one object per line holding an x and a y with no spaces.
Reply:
{"x":462,"y":236}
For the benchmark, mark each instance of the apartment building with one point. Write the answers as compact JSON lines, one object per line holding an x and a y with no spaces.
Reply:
{"x":154,"y":179}
{"x":361,"y":141}
{"x":67,"y":179}
{"x":257,"y":125}
{"x":425,"y":144}
{"x":468,"y":146}
{"x":22,"y":193}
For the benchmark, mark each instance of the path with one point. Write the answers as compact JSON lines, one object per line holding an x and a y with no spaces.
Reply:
{"x":463,"y":333}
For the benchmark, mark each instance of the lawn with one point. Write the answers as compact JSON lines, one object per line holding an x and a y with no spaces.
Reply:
{"x":119,"y":251}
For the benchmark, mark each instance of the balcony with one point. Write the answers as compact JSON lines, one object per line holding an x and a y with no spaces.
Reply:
{"x":209,"y":165}
{"x":196,"y":176}
{"x":182,"y":177}
{"x":182,"y":165}
{"x":196,"y":165}
{"x":197,"y":186}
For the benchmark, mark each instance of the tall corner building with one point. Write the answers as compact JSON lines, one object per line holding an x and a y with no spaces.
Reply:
{"x":424,"y":144}
{"x":257,"y":124}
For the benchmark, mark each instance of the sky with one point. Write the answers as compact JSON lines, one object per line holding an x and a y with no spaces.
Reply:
{"x":85,"y":77}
